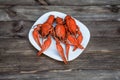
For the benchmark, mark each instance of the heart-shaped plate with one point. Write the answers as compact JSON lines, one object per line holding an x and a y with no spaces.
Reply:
{"x":52,"y":51}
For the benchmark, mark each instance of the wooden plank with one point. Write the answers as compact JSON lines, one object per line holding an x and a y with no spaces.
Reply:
{"x":60,"y":2}
{"x":20,"y":2}
{"x":20,"y":29}
{"x":15,"y":29}
{"x":83,"y":2}
{"x":18,"y":55}
{"x":103,"y":45}
{"x":85,"y":13}
{"x":66,"y":75}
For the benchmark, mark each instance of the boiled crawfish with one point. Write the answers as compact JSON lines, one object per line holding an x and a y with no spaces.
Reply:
{"x":74,"y":35}
{"x":43,"y":30}
{"x":59,"y":35}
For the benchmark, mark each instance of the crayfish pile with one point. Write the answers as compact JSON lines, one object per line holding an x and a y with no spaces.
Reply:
{"x":65,"y":31}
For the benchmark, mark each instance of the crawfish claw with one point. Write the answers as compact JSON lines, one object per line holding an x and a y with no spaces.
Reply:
{"x":60,"y":51}
{"x":45,"y":46}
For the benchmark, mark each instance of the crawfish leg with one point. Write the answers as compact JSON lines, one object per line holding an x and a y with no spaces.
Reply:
{"x":45,"y":45}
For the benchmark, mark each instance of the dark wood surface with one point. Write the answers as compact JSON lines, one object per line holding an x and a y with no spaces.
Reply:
{"x":99,"y":61}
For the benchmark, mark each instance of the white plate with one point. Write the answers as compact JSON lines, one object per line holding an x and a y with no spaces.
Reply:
{"x":51,"y":51}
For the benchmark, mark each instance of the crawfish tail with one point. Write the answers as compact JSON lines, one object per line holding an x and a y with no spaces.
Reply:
{"x":59,"y":20}
{"x":50,"y":19}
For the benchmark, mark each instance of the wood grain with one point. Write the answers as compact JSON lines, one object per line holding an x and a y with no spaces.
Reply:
{"x":20,"y":29}
{"x":98,"y":55}
{"x":66,"y":75}
{"x":85,"y":13}
{"x":60,"y":2}
{"x":99,"y":61}
{"x":83,"y":2}
{"x":16,"y":2}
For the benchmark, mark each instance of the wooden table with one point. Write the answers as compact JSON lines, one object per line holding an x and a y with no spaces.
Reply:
{"x":99,"y":61}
